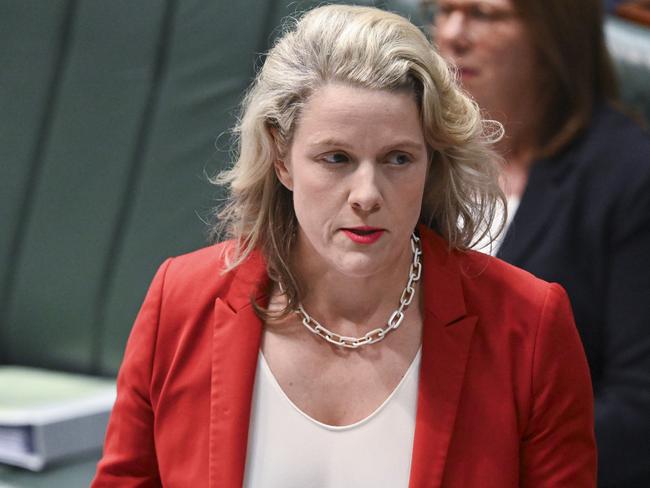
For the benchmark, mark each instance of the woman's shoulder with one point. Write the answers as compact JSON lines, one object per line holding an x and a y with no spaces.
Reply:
{"x":205,"y":274}
{"x":508,"y":298}
{"x":613,"y":169}
{"x":201,"y":266}
{"x":616,"y":121}
{"x":488,"y":283}
{"x":499,"y":281}
{"x":614,"y":141}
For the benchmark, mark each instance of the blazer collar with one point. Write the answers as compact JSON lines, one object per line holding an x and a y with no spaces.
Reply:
{"x":447,"y":334}
{"x":542,"y":199}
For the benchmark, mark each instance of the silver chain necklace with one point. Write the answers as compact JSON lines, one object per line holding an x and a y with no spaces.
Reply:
{"x":378,"y":334}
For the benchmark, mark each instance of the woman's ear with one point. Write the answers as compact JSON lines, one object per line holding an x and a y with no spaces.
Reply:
{"x":282,"y":169}
{"x":283,"y":172}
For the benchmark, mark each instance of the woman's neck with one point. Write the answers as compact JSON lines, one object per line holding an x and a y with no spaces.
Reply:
{"x":519,"y":147}
{"x":352,"y":305}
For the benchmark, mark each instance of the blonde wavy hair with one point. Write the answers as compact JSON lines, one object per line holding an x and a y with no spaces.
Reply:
{"x":370,"y":48}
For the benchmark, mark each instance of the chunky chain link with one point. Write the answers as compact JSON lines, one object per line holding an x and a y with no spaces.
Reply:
{"x":395,"y":320}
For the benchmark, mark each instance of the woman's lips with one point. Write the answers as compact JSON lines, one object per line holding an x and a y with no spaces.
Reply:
{"x":467,"y":73}
{"x":363,"y":235}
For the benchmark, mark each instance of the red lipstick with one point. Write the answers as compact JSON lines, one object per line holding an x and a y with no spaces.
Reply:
{"x":363,"y":234}
{"x":467,"y":73}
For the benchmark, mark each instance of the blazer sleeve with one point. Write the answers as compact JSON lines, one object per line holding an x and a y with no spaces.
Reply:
{"x":129,"y":458}
{"x":623,"y":392}
{"x":558,"y":448}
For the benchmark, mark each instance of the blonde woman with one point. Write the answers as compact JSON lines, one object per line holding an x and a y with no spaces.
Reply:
{"x":335,"y":340}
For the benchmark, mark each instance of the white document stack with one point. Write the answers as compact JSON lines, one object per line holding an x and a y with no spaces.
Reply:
{"x":47,"y":416}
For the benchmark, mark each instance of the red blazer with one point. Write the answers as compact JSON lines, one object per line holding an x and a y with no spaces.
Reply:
{"x":504,"y":399}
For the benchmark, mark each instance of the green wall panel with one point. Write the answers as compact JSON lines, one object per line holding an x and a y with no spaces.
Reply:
{"x":77,"y":196}
{"x":211,"y":61}
{"x":30,"y":41}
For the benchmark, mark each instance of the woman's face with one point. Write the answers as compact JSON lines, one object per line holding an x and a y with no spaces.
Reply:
{"x":489,"y":43}
{"x":357,"y":167}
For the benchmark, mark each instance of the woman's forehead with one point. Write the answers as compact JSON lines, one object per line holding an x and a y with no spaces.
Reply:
{"x":463,"y":4}
{"x":342,"y":112}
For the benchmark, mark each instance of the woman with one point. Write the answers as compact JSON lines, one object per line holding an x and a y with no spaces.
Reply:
{"x":579,"y":173}
{"x":335,"y":340}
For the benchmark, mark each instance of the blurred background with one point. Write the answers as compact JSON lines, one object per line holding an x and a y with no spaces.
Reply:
{"x":112,"y":115}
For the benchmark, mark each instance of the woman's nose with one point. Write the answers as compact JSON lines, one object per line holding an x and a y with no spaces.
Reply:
{"x":451,"y":32}
{"x":365,"y":194}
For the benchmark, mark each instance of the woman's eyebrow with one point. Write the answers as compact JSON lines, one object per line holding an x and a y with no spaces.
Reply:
{"x":330,"y":141}
{"x":401,"y":143}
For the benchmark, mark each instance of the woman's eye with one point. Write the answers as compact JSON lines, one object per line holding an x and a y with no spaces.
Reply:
{"x":335,"y":158}
{"x":444,"y":10}
{"x":480,"y":12}
{"x":488,"y":13}
{"x":399,"y":159}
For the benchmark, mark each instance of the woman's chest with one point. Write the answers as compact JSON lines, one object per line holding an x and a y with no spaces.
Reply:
{"x":288,"y":448}
{"x":336,"y":386}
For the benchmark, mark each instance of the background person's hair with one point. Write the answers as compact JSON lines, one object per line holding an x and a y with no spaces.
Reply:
{"x":364,"y":47}
{"x":575,"y":67}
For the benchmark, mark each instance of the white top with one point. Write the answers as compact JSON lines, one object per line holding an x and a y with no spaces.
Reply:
{"x":289,"y":449}
{"x":484,"y":244}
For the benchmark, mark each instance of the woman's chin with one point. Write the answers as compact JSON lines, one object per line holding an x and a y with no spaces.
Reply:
{"x":358,"y":265}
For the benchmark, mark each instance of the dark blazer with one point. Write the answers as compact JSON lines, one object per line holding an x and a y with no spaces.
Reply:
{"x":504,"y":398}
{"x":584,"y":222}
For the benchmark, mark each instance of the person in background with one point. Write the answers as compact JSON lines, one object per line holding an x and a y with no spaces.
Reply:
{"x":610,"y":5}
{"x":577,"y":179}
{"x":336,"y":340}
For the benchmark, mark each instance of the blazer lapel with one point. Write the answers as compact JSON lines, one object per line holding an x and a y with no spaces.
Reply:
{"x":236,"y":342}
{"x":539,"y":203}
{"x":446,"y":339}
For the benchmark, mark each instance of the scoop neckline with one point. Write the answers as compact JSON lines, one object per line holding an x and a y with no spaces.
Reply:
{"x":358,"y":423}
